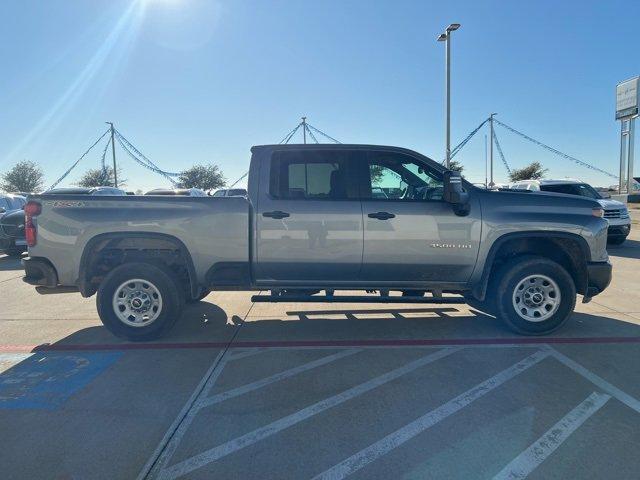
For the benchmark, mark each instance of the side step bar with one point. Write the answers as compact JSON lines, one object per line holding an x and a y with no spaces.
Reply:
{"x":353,"y":299}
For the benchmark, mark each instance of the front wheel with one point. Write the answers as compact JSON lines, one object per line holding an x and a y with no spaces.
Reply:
{"x":139,"y":301}
{"x":535,"y":295}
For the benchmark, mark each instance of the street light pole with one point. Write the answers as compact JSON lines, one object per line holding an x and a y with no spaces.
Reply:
{"x":446,"y":37}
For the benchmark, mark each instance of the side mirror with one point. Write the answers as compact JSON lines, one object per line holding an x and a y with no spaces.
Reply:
{"x":3,"y":210}
{"x":454,"y":193}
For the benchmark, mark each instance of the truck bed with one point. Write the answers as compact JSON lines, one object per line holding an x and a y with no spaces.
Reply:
{"x":213,"y":230}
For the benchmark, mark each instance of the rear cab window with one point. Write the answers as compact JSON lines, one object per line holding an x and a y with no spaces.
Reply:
{"x":313,"y":175}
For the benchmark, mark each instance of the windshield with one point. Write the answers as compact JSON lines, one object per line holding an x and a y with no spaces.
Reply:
{"x":580,"y":189}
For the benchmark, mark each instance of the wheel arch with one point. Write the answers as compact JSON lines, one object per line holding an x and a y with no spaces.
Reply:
{"x":133,"y":241}
{"x":568,"y":249}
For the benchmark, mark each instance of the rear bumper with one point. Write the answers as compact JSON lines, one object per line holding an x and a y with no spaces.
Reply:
{"x":39,"y":272}
{"x":599,"y":277}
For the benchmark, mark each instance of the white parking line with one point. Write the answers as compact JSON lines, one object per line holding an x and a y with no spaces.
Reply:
{"x":213,"y":454}
{"x":615,"y":392}
{"x":167,"y":441}
{"x":221,"y":397}
{"x":244,"y":354}
{"x":397,"y":438}
{"x":528,"y":461}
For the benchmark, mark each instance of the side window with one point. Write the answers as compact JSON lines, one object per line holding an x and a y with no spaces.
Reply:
{"x":311,"y":175}
{"x":4,"y":203}
{"x":395,"y":176}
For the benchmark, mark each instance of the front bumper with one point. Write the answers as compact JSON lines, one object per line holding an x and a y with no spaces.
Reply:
{"x":39,"y":272}
{"x":619,"y":230}
{"x":599,"y":277}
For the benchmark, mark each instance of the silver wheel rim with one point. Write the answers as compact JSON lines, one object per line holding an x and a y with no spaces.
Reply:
{"x":137,"y":302}
{"x":536,"y":298}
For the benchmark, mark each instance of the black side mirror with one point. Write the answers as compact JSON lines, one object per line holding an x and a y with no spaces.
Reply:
{"x":2,"y":210}
{"x":454,"y":193}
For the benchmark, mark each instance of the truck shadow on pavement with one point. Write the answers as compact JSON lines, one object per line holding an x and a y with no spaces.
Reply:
{"x":205,"y":324}
{"x":629,"y":249}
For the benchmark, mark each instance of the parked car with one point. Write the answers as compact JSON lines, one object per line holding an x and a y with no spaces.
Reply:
{"x":95,"y":191}
{"x":615,"y":212}
{"x":12,"y":241}
{"x":313,"y":223}
{"x":184,"y":192}
{"x":230,"y":192}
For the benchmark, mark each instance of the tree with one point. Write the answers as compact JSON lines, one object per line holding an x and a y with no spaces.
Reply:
{"x":533,"y":171}
{"x":205,"y":177}
{"x":25,"y":176}
{"x":98,"y":177}
{"x":456,"y":166}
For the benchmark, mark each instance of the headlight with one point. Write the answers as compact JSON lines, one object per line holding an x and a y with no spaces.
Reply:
{"x":597,"y":212}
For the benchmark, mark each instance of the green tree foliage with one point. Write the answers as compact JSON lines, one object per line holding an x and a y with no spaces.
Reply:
{"x":98,"y":177}
{"x":456,"y":166}
{"x":25,"y":176}
{"x":205,"y":177}
{"x":533,"y":171}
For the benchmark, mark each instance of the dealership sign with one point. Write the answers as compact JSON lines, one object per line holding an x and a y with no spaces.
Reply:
{"x":627,"y":99}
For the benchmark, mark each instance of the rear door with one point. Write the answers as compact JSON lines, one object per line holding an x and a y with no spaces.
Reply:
{"x":410,"y":233}
{"x":309,"y":219}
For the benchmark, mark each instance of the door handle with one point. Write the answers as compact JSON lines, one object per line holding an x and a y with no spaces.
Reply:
{"x":276,"y":214}
{"x":381,"y":215}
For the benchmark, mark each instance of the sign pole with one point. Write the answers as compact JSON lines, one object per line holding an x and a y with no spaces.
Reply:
{"x":623,"y":156}
{"x":630,"y":137}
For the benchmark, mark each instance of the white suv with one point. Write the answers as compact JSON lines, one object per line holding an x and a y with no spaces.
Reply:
{"x":615,"y":212}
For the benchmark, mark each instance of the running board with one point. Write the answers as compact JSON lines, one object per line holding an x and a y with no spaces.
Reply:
{"x":353,"y":299}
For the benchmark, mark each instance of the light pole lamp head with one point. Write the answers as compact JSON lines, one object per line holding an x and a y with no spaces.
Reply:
{"x":453,"y":27}
{"x":442,"y":37}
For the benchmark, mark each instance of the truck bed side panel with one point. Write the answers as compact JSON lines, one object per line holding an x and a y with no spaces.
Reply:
{"x":212,"y":229}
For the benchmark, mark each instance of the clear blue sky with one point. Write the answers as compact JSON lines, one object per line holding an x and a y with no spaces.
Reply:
{"x":197,"y":81}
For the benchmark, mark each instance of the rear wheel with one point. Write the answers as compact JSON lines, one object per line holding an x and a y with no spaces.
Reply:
{"x":139,"y":301}
{"x":534,"y":295}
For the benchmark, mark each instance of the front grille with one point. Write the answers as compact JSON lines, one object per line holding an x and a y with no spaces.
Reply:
{"x":612,"y":213}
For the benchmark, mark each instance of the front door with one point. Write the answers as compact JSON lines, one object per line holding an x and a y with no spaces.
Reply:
{"x":410,"y":233}
{"x":309,"y":222}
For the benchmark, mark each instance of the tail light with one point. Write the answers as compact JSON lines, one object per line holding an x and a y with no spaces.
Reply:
{"x":31,"y":209}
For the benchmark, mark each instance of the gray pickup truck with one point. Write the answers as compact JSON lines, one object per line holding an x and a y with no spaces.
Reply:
{"x":324,"y":218}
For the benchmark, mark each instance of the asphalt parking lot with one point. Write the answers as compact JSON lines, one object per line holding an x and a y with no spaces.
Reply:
{"x":243,"y":390}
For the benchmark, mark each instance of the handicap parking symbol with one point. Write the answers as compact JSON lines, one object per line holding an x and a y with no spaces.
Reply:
{"x":47,"y":380}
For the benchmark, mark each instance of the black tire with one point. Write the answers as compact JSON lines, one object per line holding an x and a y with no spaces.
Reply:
{"x":161,"y":279}
{"x":616,"y":240}
{"x":203,"y":294}
{"x":510,"y":276}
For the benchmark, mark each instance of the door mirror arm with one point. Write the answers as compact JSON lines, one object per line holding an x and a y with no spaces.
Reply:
{"x":455,"y":194}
